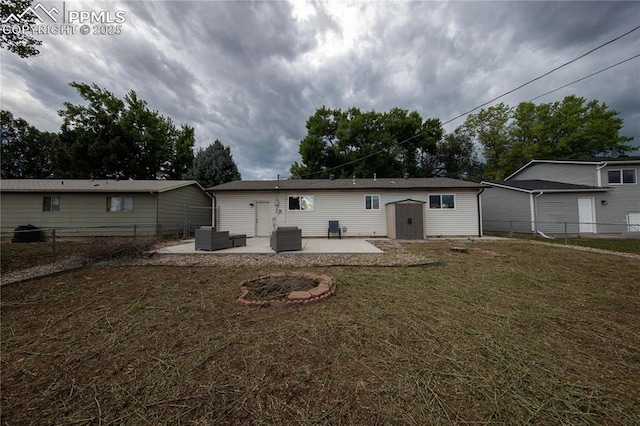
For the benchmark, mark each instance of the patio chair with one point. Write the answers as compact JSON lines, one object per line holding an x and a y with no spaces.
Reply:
{"x":286,"y":238}
{"x":208,"y":239}
{"x":334,"y":228}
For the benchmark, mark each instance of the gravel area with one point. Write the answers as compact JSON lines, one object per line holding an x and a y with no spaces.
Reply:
{"x":42,"y":270}
{"x":394,"y":255}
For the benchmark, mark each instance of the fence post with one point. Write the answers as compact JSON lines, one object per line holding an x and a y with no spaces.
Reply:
{"x":53,"y":243}
{"x":566,"y":238}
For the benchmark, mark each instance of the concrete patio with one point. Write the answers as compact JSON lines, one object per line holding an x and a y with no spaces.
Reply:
{"x":261,"y":245}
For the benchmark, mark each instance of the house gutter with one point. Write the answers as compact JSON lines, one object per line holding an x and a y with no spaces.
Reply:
{"x":598,"y":174}
{"x":480,"y":213}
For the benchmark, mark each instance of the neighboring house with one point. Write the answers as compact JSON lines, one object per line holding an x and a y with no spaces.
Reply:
{"x":399,"y":208}
{"x":594,"y":196}
{"x":104,"y":207}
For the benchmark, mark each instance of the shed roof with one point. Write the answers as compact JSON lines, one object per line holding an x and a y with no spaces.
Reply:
{"x":539,"y":185}
{"x":92,"y":185}
{"x":346,"y":184}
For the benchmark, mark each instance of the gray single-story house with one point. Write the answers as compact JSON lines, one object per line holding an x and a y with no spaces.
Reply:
{"x":378,"y":207}
{"x":549,"y":197}
{"x":105,"y":207}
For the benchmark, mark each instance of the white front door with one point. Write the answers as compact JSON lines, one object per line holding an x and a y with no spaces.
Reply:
{"x":587,"y":215}
{"x":263,"y":219}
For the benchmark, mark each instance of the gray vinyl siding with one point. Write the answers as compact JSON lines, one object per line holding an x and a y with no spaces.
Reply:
{"x":236,"y":212}
{"x":581,"y":174}
{"x":621,"y":200}
{"x":77,"y":210}
{"x":505,"y":210}
{"x":189,"y":203}
{"x":554,"y":210}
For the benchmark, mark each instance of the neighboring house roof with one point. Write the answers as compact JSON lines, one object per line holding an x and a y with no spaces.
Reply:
{"x":345,"y":184}
{"x":89,"y":185}
{"x":597,"y":161}
{"x":539,"y":185}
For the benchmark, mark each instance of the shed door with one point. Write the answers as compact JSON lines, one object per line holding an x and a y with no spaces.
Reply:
{"x":263,"y":222}
{"x":587,"y":215}
{"x":409,"y":221}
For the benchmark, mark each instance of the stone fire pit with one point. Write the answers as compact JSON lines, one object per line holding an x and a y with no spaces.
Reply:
{"x":286,"y":289}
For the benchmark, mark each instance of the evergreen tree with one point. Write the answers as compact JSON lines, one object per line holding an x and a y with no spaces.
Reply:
{"x":214,"y":165}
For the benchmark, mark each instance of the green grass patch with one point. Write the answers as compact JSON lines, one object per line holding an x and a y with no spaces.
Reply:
{"x":626,"y":245}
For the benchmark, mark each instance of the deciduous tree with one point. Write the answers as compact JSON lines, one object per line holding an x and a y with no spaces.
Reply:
{"x":17,"y":42}
{"x":110,"y":137}
{"x":26,"y":151}
{"x":572,"y":128}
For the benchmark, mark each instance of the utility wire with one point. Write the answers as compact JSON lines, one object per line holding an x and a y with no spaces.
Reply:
{"x":584,"y":78}
{"x":501,"y":96}
{"x":543,"y":75}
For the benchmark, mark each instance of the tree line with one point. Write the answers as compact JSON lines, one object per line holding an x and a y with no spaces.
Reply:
{"x":490,"y":144}
{"x":108,"y":137}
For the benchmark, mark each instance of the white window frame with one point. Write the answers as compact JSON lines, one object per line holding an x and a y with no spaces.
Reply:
{"x":621,"y":176}
{"x":455,"y":203}
{"x":301,"y":197}
{"x":51,"y":206}
{"x":372,"y":197}
{"x":121,"y":204}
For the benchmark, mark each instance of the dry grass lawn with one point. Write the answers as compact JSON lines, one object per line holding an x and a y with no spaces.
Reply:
{"x":509,"y":333}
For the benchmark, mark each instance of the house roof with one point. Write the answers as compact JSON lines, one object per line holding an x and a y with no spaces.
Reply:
{"x":596,"y":161}
{"x":92,"y":185}
{"x":345,"y":184}
{"x":539,"y":185}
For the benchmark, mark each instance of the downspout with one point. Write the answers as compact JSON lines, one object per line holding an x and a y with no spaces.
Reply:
{"x":157,"y":209}
{"x":215,"y":216}
{"x":598,"y":174}
{"x":480,"y":213}
{"x":535,"y":204}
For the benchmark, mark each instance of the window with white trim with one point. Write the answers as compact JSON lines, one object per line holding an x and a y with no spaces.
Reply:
{"x":623,"y":176}
{"x":119,"y":204}
{"x":51,"y":204}
{"x":442,"y":201}
{"x":372,"y":202}
{"x":300,"y":203}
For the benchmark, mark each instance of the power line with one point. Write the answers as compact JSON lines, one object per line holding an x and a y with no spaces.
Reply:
{"x":584,"y":78}
{"x":544,"y":75}
{"x":501,"y":96}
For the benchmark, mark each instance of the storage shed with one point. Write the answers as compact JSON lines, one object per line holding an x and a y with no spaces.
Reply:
{"x":405,"y":219}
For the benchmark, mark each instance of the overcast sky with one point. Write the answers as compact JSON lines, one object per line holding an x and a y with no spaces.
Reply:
{"x":251,"y":74}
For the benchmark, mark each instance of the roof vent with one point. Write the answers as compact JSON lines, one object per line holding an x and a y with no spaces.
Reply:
{"x":374,"y":177}
{"x":406,"y":175}
{"x":332,"y":176}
